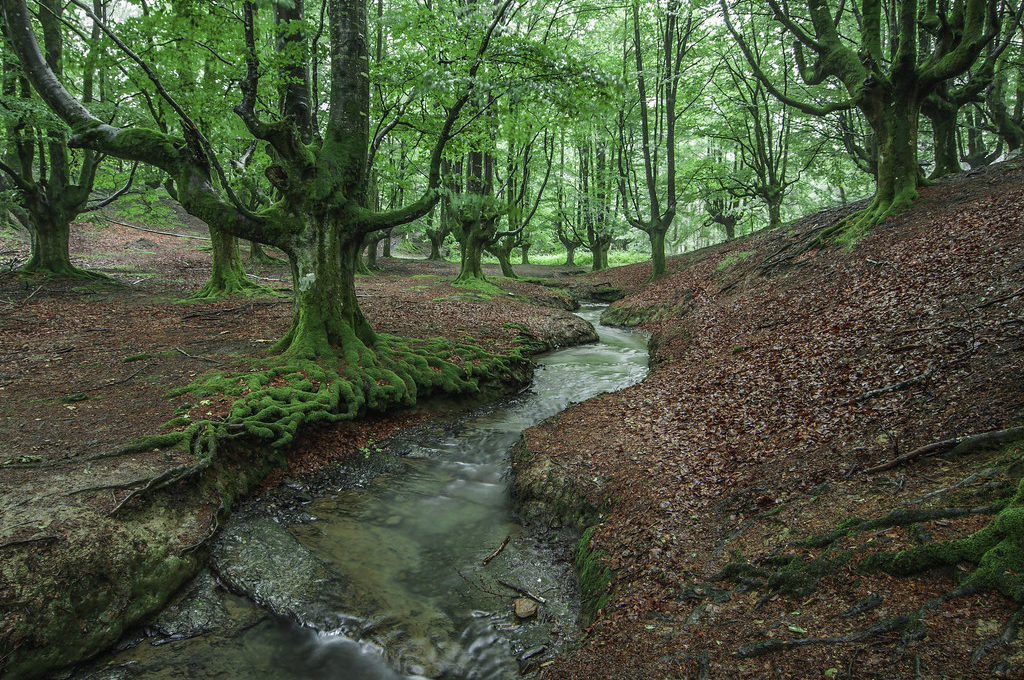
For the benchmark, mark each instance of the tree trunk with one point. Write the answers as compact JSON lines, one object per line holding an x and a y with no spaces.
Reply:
{"x":326,"y":316}
{"x":48,"y":254}
{"x":504,"y":255}
{"x":947,"y":160}
{"x":605,"y":247}
{"x":656,"y":233}
{"x":570,"y":256}
{"x":596,"y":252}
{"x":895,"y":125}
{"x":259,"y":255}
{"x":526,"y":254}
{"x":386,"y":249}
{"x":775,"y":213}
{"x":472,"y":248}
{"x":435,"y":247}
{"x":227,"y":276}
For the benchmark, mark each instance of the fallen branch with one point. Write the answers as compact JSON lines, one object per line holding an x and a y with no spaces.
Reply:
{"x":956,"y":446}
{"x":113,"y":382}
{"x":23,"y":541}
{"x":38,"y":288}
{"x":890,"y":388}
{"x":190,"y":356}
{"x":154,"y":231}
{"x":1014,"y":294}
{"x":752,"y":649}
{"x":497,"y":552}
{"x":113,"y":485}
{"x":523,"y":591}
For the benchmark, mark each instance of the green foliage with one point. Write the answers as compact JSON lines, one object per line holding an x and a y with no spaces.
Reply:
{"x":594,"y":575}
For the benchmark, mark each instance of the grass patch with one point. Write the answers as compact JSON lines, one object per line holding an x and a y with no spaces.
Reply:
{"x":733,"y":258}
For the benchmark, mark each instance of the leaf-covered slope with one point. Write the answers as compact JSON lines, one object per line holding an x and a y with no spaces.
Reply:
{"x":785,"y":372}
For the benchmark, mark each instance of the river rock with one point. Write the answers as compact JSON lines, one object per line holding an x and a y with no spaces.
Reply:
{"x":524,"y":607}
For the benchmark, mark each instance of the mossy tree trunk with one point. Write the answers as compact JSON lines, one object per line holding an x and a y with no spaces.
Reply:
{"x":48,"y":251}
{"x":947,"y":155}
{"x":476,"y":216}
{"x":774,"y":204}
{"x":526,"y":253}
{"x":570,"y":256}
{"x":903,"y":54}
{"x":503,"y":251}
{"x":472,"y":244}
{"x":227,"y":275}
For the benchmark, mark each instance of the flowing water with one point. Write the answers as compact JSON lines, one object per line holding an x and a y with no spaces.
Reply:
{"x":383,"y":578}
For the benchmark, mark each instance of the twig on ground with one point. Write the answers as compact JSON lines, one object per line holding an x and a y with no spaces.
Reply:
{"x":522,"y":591}
{"x":113,"y":382}
{"x":112,"y":485}
{"x":38,"y":288}
{"x":191,"y":356}
{"x":497,"y":552}
{"x":23,"y":541}
{"x":890,"y":388}
{"x":1014,"y":294}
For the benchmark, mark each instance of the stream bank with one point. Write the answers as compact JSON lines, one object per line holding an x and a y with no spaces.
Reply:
{"x":381,"y":558}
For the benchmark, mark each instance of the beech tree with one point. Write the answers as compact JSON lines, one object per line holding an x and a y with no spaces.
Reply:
{"x":650,"y":206}
{"x":872,"y":50}
{"x":320,"y":216}
{"x":51,"y":188}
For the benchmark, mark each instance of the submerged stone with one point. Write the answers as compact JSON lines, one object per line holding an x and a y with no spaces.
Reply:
{"x":524,"y":607}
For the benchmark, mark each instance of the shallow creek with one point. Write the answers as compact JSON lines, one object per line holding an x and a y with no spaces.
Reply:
{"x":378,"y":574}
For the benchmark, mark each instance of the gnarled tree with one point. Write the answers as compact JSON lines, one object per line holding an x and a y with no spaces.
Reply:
{"x":873,"y":51}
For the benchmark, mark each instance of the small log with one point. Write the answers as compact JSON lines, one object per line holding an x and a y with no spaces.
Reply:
{"x":956,"y":446}
{"x":497,"y":552}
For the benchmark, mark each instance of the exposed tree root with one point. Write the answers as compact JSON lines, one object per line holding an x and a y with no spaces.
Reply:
{"x":997,"y":550}
{"x":273,"y":403}
{"x":231,"y":286}
{"x":63,"y":273}
{"x":752,"y":649}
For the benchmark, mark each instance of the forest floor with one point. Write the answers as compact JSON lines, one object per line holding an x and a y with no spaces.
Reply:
{"x":753,"y":474}
{"x":781,"y":376}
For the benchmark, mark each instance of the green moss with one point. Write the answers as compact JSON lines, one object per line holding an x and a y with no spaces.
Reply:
{"x":996,"y":550}
{"x":480,"y":286}
{"x":732,"y":258}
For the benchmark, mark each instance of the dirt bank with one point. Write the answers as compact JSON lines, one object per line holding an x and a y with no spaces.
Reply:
{"x":760,"y":519}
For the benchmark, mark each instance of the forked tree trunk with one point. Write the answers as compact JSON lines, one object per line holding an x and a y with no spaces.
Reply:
{"x":472,"y":248}
{"x":570,"y":256}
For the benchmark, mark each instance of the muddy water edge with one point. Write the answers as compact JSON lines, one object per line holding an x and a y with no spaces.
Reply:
{"x":375,"y":569}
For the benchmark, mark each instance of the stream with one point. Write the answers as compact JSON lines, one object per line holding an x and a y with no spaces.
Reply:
{"x":376,"y":572}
